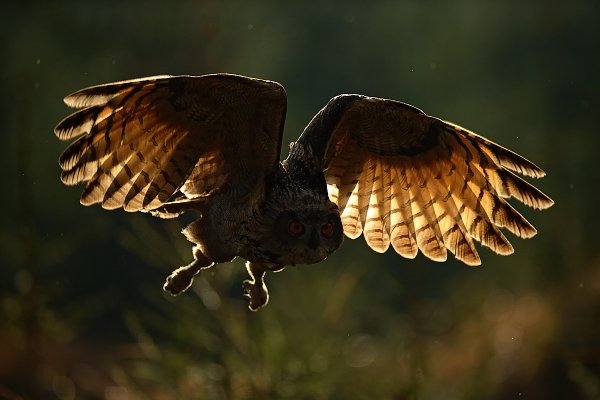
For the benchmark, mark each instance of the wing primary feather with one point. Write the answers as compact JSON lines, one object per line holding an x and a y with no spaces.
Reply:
{"x":505,"y":157}
{"x":375,"y":230}
{"x":101,"y":94}
{"x":454,"y":232}
{"x":495,"y":208}
{"x":478,"y":197}
{"x":429,"y":238}
{"x":402,"y":229}
{"x":350,"y":216}
{"x":525,"y":192}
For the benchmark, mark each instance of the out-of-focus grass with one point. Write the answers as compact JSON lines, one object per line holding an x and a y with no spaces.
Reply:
{"x":320,"y":337}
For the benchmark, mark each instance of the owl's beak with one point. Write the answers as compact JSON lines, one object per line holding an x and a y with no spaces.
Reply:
{"x":314,"y":241}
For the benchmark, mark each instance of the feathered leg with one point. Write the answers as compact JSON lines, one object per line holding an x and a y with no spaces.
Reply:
{"x":182,"y":277}
{"x":256,"y":289}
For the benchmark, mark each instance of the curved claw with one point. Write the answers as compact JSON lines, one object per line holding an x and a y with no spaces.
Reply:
{"x":180,"y":280}
{"x":257,"y":294}
{"x":256,"y":289}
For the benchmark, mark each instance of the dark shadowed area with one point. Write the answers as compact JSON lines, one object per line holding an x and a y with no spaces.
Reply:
{"x":82,"y":311}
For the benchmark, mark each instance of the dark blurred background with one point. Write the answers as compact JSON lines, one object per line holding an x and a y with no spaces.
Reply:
{"x":82,"y":312}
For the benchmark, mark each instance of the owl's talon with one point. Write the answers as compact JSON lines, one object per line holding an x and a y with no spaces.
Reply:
{"x":257,"y":294}
{"x":255,"y":289}
{"x":180,"y":280}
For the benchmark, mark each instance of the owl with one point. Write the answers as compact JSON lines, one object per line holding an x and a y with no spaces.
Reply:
{"x":211,"y":144}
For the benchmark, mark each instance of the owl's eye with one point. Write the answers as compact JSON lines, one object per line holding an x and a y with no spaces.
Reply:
{"x":295,"y":227}
{"x":327,"y":229}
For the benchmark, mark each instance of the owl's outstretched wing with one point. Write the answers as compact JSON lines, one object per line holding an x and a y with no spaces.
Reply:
{"x":141,"y":143}
{"x":404,"y":178}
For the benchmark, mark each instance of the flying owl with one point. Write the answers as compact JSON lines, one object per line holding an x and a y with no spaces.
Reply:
{"x":363,"y":165}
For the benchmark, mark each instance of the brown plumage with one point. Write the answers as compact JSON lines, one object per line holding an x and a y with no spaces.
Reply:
{"x":363,"y":165}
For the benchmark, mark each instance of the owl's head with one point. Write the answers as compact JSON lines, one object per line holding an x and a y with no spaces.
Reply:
{"x":305,"y":233}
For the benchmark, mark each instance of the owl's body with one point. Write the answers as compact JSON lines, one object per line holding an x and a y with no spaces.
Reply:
{"x":254,"y":230}
{"x":363,"y":165}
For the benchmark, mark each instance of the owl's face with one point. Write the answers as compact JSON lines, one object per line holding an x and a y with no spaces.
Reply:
{"x":306,"y":235}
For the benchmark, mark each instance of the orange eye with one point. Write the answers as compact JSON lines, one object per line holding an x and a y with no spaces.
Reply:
{"x":295,"y":227}
{"x":327,"y":229}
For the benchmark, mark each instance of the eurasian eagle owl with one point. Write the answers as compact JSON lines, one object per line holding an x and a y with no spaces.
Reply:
{"x":168,"y":144}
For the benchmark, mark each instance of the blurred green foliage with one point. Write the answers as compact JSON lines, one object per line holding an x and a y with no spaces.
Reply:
{"x":82,"y":313}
